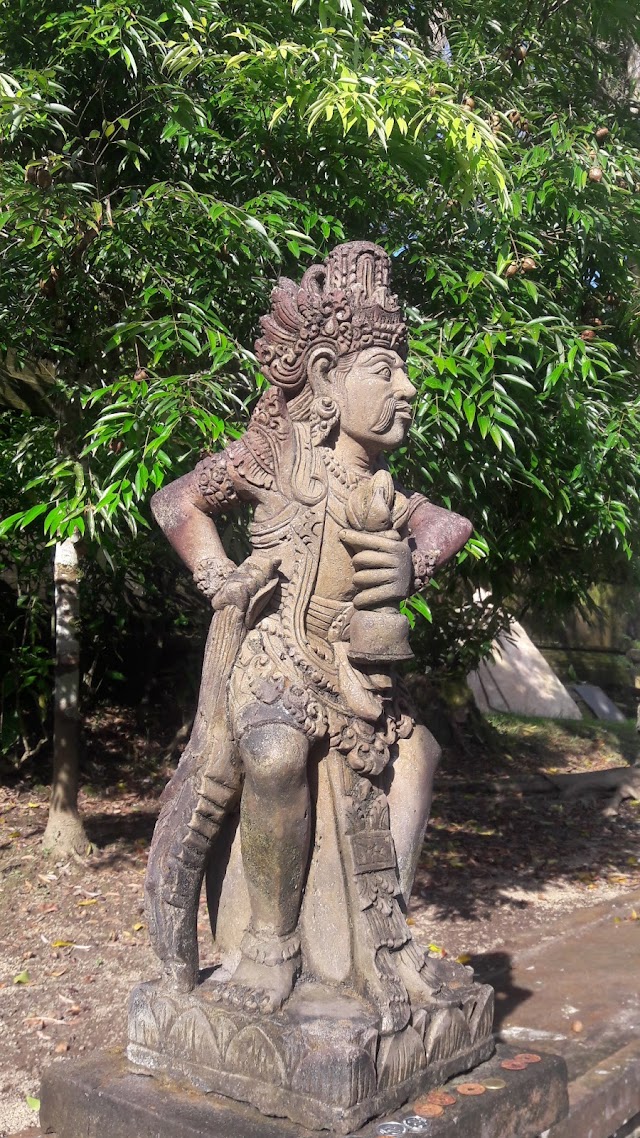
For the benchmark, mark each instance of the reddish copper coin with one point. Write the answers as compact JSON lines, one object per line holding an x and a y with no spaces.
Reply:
{"x":443,"y":1098}
{"x":470,"y":1089}
{"x":528,"y":1057}
{"x":429,"y":1109}
{"x":513,"y":1065}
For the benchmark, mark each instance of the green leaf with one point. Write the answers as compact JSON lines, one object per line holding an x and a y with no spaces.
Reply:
{"x":33,"y":513}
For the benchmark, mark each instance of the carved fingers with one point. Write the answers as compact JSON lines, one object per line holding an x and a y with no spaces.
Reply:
{"x":385,"y":542}
{"x":381,"y":595}
{"x":245,"y":582}
{"x":383,"y":569}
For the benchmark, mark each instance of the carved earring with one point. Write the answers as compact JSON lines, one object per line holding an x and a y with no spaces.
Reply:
{"x":323,"y":416}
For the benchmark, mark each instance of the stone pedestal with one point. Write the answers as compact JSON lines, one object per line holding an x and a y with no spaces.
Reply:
{"x":105,"y":1095}
{"x":321,"y":1062}
{"x":371,"y":1019}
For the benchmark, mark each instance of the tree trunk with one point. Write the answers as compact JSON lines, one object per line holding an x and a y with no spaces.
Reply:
{"x":65,"y":832}
{"x":633,"y":72}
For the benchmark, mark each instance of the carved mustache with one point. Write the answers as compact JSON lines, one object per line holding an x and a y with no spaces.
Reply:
{"x":391,"y":409}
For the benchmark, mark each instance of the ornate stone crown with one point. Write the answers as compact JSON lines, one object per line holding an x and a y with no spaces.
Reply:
{"x":345,"y":303}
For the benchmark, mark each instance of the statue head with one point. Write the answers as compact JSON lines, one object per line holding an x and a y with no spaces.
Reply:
{"x":336,"y":345}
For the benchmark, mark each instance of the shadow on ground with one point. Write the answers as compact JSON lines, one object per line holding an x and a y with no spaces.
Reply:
{"x":496,"y":968}
{"x":491,"y":851}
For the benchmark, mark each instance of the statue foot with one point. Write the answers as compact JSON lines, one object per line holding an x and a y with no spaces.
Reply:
{"x":265,"y":976}
{"x":256,"y":987}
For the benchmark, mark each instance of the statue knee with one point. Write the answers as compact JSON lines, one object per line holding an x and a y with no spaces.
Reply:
{"x":275,"y":756}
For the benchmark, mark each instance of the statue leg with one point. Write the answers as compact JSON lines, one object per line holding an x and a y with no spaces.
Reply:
{"x":408,"y":783}
{"x":275,"y":834}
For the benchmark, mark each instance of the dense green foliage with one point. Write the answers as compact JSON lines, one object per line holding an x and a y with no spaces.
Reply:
{"x":162,"y":164}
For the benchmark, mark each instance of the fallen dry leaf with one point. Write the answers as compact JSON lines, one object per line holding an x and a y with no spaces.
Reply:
{"x":577,"y":1026}
{"x":61,"y":1047}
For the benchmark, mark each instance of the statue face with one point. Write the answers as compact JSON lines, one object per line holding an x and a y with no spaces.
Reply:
{"x":374,"y":395}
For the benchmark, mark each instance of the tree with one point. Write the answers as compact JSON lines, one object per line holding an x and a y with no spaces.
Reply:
{"x":162,"y":165}
{"x":64,"y":827}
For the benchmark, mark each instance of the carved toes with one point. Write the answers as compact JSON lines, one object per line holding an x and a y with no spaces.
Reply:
{"x":242,"y":998}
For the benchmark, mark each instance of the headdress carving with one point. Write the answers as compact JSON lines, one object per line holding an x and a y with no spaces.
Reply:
{"x":345,"y":303}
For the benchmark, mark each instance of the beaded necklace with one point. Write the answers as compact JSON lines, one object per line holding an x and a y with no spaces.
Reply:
{"x":346,"y":477}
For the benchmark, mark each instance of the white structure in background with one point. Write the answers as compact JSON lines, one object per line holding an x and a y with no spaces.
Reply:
{"x":516,"y":678}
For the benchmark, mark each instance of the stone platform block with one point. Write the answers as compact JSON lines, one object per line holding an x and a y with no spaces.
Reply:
{"x":321,"y":1061}
{"x":104,"y":1096}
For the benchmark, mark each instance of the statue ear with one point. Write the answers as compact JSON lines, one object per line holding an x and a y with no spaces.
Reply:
{"x":320,"y":366}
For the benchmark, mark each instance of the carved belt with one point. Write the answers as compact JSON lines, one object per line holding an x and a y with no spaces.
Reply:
{"x":328,"y":619}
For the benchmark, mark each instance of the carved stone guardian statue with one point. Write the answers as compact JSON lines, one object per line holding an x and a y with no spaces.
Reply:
{"x":302,"y":797}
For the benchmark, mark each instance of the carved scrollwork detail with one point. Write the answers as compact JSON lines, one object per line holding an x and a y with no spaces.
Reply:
{"x":345,"y":302}
{"x":362,"y":747}
{"x":323,"y":417}
{"x":210,"y":575}
{"x":424,"y":566}
{"x":266,"y":683}
{"x":214,"y":482}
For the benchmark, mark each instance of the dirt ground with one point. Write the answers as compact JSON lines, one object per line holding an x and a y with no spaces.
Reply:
{"x":495,"y":868}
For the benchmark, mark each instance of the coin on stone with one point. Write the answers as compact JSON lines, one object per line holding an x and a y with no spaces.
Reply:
{"x":443,"y":1098}
{"x":494,"y":1084}
{"x":418,"y":1124}
{"x":470,"y":1089}
{"x":513,"y":1065}
{"x":528,"y":1057}
{"x":391,"y":1129}
{"x":428,"y":1109}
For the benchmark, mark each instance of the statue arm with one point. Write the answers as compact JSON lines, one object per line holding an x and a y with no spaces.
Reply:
{"x":185,"y":510}
{"x":435,"y":535}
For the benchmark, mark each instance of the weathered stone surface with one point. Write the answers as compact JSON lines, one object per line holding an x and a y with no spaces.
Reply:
{"x":320,"y":1061}
{"x":102,"y":1096}
{"x":516,"y":678}
{"x":604,"y":1098}
{"x":303,"y":794}
{"x":598,"y":702}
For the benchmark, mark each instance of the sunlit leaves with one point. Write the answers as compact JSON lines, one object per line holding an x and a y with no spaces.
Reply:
{"x":161,"y":166}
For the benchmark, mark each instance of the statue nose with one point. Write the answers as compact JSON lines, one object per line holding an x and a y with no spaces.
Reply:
{"x":404,"y":385}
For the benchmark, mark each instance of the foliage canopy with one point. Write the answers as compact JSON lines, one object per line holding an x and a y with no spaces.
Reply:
{"x":162,"y":164}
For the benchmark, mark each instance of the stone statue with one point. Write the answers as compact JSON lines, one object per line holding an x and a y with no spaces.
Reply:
{"x":304,"y":792}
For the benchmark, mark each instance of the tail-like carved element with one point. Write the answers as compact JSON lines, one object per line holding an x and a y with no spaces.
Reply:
{"x":204,"y":788}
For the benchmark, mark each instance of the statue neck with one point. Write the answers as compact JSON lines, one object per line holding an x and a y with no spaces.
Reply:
{"x":353,"y":455}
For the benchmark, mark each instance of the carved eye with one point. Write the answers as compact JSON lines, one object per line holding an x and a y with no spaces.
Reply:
{"x":385,"y":372}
